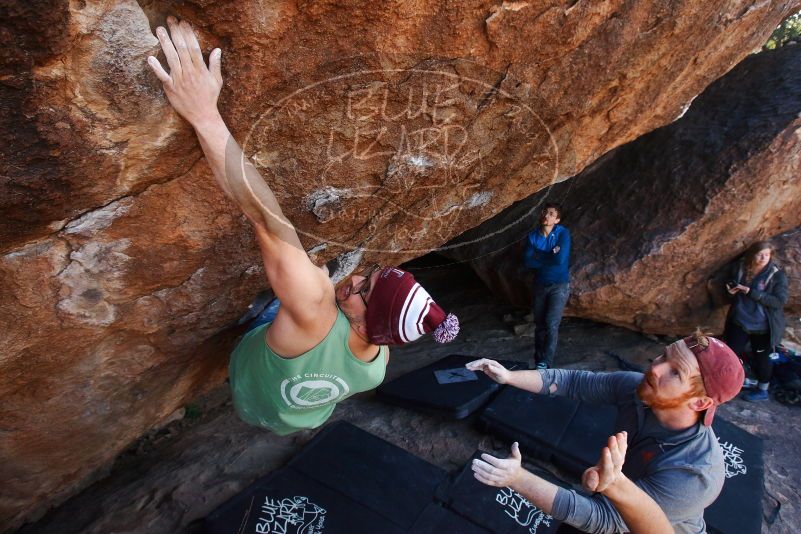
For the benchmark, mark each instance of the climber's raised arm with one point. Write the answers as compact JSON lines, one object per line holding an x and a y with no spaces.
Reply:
{"x":193,"y":88}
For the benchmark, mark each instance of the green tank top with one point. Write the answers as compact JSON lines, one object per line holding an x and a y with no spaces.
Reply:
{"x":286,"y":395}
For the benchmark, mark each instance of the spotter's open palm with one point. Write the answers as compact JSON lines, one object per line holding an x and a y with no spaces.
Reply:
{"x":492,"y":369}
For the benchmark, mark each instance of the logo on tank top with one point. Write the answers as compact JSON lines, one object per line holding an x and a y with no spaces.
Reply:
{"x":311,"y":390}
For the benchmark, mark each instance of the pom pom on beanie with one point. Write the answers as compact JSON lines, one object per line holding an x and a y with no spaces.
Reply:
{"x":447,"y":330}
{"x":401,"y":311}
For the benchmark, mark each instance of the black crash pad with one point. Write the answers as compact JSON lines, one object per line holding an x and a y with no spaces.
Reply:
{"x":564,"y":431}
{"x":287,"y":501}
{"x":500,"y":510}
{"x":363,"y":483}
{"x":438,"y":520}
{"x":536,"y":422}
{"x":586,"y":434}
{"x":738,"y":509}
{"x":444,"y":387}
{"x":384,"y":478}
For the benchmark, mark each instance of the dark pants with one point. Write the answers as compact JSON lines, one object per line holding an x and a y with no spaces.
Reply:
{"x":549,"y":303}
{"x":737,"y":339}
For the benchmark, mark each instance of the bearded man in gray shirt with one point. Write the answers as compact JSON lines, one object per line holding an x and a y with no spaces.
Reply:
{"x":673,"y":454}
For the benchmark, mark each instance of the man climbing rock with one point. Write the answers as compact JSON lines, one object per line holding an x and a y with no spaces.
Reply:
{"x":325,"y":343}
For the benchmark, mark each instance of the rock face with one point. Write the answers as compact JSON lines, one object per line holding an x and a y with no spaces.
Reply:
{"x":653,"y":221}
{"x":788,"y":255}
{"x":385,"y":130}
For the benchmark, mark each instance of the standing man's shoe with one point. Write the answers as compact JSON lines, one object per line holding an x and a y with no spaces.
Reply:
{"x":756,"y":396}
{"x":750,"y":383}
{"x":541,"y":366}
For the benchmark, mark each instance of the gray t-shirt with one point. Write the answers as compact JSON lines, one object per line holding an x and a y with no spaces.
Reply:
{"x":683,"y":471}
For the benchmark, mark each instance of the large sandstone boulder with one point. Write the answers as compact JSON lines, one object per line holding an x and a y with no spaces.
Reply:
{"x":788,"y":255}
{"x":386,"y":129}
{"x":655,"y":220}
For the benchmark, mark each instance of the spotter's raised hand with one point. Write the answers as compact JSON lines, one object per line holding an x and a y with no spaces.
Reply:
{"x":499,"y":472}
{"x":609,"y":469}
{"x":492,"y":369}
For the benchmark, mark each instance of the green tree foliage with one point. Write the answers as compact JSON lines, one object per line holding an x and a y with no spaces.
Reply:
{"x":788,"y":30}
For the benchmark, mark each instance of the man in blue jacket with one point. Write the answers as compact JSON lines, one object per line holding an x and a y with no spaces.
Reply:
{"x":547,"y":253}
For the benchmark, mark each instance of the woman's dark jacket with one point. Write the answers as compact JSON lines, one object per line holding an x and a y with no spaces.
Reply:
{"x":772,"y":298}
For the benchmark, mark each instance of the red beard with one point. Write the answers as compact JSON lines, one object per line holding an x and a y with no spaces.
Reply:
{"x":656,"y":401}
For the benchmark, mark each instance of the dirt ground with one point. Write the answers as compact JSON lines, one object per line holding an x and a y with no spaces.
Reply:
{"x":184,"y":470}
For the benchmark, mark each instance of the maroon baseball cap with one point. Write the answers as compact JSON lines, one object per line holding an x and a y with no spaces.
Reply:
{"x":721,"y":371}
{"x":401,"y":311}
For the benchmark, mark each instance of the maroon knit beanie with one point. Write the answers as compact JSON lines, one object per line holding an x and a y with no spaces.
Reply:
{"x":400,"y":311}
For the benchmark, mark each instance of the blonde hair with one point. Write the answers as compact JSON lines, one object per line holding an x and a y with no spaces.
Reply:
{"x":699,"y":338}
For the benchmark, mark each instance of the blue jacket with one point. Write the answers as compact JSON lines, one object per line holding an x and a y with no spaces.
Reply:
{"x":550,"y":268}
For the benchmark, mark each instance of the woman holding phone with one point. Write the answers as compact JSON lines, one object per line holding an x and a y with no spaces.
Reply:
{"x":759,"y":290}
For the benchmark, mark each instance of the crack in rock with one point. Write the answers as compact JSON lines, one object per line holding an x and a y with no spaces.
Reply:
{"x":92,"y":222}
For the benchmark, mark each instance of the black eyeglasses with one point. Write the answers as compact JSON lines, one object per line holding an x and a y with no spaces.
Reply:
{"x":363,"y":287}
